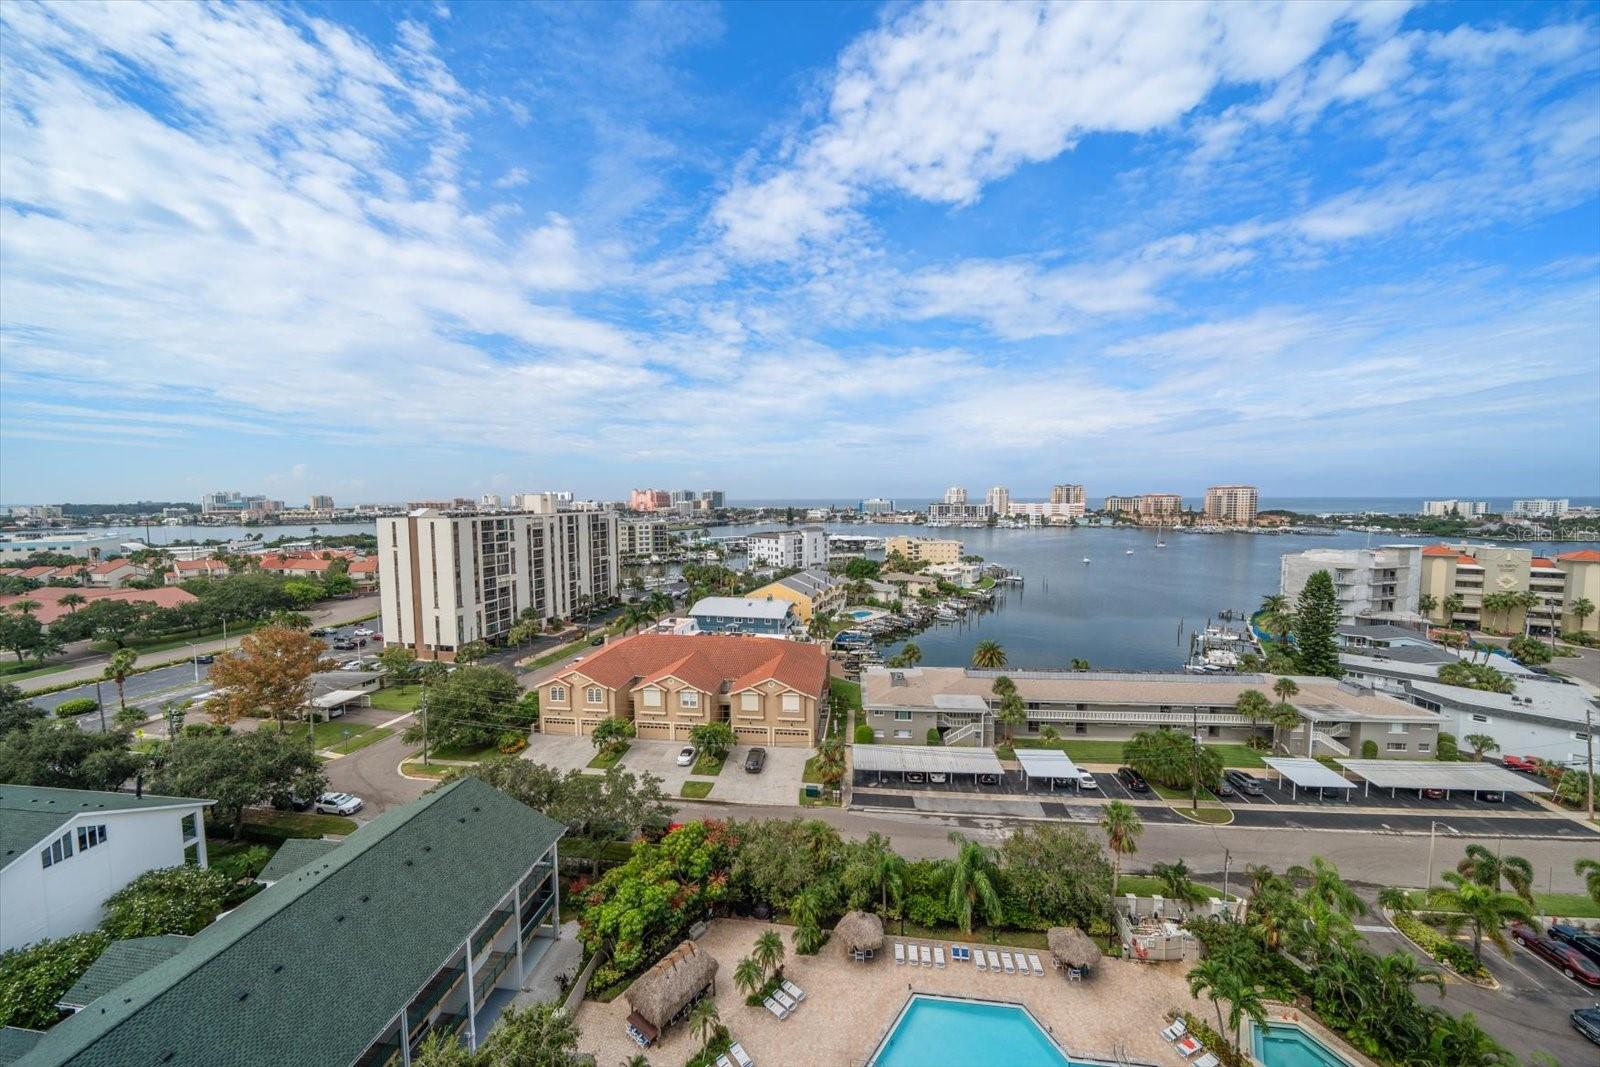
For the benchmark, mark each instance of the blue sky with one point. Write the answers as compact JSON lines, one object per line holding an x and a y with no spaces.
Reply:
{"x":388,"y":252}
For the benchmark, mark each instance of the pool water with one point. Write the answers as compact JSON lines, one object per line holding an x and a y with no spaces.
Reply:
{"x":1278,"y":1045}
{"x":862,"y":613}
{"x":940,"y":1032}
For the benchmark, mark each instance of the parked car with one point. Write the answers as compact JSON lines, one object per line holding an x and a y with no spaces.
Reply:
{"x":1521,"y":763}
{"x":1577,"y":937}
{"x":686,"y":756}
{"x":1226,"y":790}
{"x":916,"y":777}
{"x":1570,"y":961}
{"x":1431,"y":794}
{"x":938,"y":777}
{"x":362,"y":631}
{"x":344,"y":644}
{"x":1491,"y":797}
{"x":290,"y":802}
{"x":988,"y":779}
{"x":338,"y":804}
{"x":319,"y":631}
{"x":1248,"y":784}
{"x":1132,"y":780}
{"x":598,"y":639}
{"x":755,"y":760}
{"x":1062,"y":783}
{"x":1086,"y":781}
{"x":207,"y":658}
{"x":1587,"y":1022}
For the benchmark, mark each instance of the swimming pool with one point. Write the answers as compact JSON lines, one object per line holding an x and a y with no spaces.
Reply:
{"x":863,"y":613}
{"x":944,"y":1032}
{"x":1287,"y":1045}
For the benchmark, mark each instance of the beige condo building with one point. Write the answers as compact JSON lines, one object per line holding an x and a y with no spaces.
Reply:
{"x":1555,"y":587}
{"x":925,"y":549}
{"x":1234,"y":505}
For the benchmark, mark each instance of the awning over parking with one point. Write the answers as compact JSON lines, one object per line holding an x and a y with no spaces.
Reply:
{"x":338,"y":699}
{"x":900,"y":759}
{"x":1308,"y":774}
{"x":1046,"y":763}
{"x":1429,"y":774}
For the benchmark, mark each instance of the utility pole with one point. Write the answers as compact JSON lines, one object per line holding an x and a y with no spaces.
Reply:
{"x":1194,"y":777}
{"x":102,"y":704}
{"x":1588,"y":734}
{"x":1227,"y":857}
{"x":422,"y":706}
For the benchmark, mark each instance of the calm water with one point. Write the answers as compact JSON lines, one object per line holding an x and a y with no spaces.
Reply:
{"x":1290,"y":1046}
{"x":1125,"y":611}
{"x":936,"y":1032}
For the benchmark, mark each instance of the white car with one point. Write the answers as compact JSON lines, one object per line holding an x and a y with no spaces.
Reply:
{"x":686,"y":756}
{"x":362,"y":631}
{"x":1086,"y":781}
{"x":338,"y":804}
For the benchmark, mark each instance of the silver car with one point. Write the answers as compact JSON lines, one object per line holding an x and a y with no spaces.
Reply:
{"x":338,"y":804}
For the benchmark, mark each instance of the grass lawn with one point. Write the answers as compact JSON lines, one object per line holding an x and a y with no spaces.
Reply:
{"x":332,"y":734}
{"x":707,"y":767}
{"x":301,"y":823}
{"x":1086,"y":751}
{"x":1566,"y":905}
{"x":398,"y":698}
{"x":980,"y":935}
{"x":812,"y":776}
{"x":844,"y":707}
{"x":1211,"y":811}
{"x":1144,"y":885}
{"x":458,"y":752}
{"x":1210,"y":816}
{"x":432,"y":770}
{"x":22,"y":672}
{"x":696,"y":790}
{"x":604,"y":761}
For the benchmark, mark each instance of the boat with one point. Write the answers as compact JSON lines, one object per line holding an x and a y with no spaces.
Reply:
{"x":1127,"y":552}
{"x":1086,"y":559}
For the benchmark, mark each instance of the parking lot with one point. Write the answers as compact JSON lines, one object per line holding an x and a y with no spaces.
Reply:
{"x":778,"y":782}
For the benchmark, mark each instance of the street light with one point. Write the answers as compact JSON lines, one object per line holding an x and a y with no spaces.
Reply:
{"x":194,"y":650}
{"x":1427,"y":885}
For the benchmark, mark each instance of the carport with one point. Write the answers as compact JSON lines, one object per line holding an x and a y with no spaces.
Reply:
{"x":1308,"y":774}
{"x":1427,"y":774}
{"x":906,"y":759}
{"x":1047,"y":763}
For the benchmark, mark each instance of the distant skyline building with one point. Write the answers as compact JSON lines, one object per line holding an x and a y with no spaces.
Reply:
{"x":1466,"y":509}
{"x":805,"y":546}
{"x":877,"y":505}
{"x":958,"y":512}
{"x":227,"y":502}
{"x":489,"y":500}
{"x":956,"y":494}
{"x":1126,"y":505}
{"x":1067,"y":494}
{"x":320,"y":502}
{"x":1232,"y":504}
{"x":649,"y":500}
{"x":1540,"y":508}
{"x":999,"y":500}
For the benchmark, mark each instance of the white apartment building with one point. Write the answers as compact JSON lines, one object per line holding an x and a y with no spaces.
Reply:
{"x":1540,"y":508}
{"x":877,"y":505}
{"x":804,"y":546}
{"x":956,"y":494}
{"x":999,"y":500}
{"x":70,"y":849}
{"x":1235,"y":505}
{"x":642,"y":537}
{"x":1466,"y":509}
{"x":1373,"y":584}
{"x":447,"y":578}
{"x":958,"y":512}
{"x":1038,"y":512}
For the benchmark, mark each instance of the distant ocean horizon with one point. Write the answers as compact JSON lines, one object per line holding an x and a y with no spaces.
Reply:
{"x":1305,"y":505}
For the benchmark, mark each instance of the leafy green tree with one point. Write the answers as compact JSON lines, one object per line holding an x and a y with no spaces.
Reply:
{"x":302,"y":592}
{"x":713,"y":739}
{"x":875,"y":869}
{"x":988,"y":655}
{"x":611,"y":734}
{"x":20,"y":632}
{"x":1484,"y":908}
{"x":1080,"y":664}
{"x":1316,"y":624}
{"x":1427,"y":603}
{"x":1589,"y":871}
{"x":748,"y":976}
{"x":1054,"y":875}
{"x":974,"y":883}
{"x":806,"y":911}
{"x":400,"y":662}
{"x":1479,"y":676}
{"x":269,"y":674}
{"x":1481,"y":743}
{"x":864,"y":734}
{"x":117,"y":669}
{"x":1176,"y":883}
{"x":1172,"y":758}
{"x":471,"y":707}
{"x":862,"y":569}
{"x":35,"y":751}
{"x":168,"y":900}
{"x":541,"y":1035}
{"x":33,"y":978}
{"x":1122,"y":826}
{"x":597,"y":809}
{"x":239,"y":771}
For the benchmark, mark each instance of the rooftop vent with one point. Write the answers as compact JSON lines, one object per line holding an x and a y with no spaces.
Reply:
{"x":897,"y":678}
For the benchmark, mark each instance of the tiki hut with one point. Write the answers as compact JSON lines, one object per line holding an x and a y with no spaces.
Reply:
{"x":1072,"y":948}
{"x":862,"y":934}
{"x":665,"y":993}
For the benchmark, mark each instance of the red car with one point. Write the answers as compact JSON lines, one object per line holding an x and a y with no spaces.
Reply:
{"x":1571,"y":962}
{"x":1521,"y":763}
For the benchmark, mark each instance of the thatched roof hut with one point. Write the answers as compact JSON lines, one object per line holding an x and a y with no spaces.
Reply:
{"x":1071,"y":947}
{"x":860,"y":930}
{"x":660,"y":994}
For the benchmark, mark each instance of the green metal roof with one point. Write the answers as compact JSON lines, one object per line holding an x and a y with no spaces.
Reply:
{"x":312,"y":969}
{"x":294,"y":854}
{"x":29,"y":813}
{"x":15,"y":1043}
{"x":122,"y":961}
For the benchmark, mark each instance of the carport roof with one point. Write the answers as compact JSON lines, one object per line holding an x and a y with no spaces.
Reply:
{"x":1046,"y":763}
{"x":338,"y":698}
{"x":1428,"y":774}
{"x":1309,"y":773}
{"x":902,"y":758}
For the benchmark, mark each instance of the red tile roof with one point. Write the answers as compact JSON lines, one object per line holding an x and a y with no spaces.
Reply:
{"x":1587,"y":555}
{"x":1438,"y":550}
{"x":50,"y":607}
{"x":707,"y":660}
{"x":37,"y":572}
{"x":203,"y":566}
{"x":110,"y":566}
{"x":365,"y":566}
{"x":1545,"y":562}
{"x":1468,"y":561}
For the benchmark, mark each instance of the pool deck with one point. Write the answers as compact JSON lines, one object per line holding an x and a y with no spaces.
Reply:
{"x":849,"y":1006}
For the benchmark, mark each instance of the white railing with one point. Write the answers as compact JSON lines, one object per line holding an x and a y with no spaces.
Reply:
{"x":972,"y":729}
{"x":1320,"y":738}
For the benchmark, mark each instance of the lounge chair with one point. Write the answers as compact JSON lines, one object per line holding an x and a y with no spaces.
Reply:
{"x":1208,"y":1060}
{"x":1038,"y":968}
{"x":1005,"y":962}
{"x":723,"y":1061}
{"x":1188,"y":1045}
{"x":978,"y":955}
{"x":793,"y":990}
{"x":927,"y":956}
{"x":785,"y":999}
{"x":740,"y":1056}
{"x":994,"y":961}
{"x":1074,"y":974}
{"x":900,"y":952}
{"x":1175,"y":1031}
{"x":775,"y":1008}
{"x":938,"y":955}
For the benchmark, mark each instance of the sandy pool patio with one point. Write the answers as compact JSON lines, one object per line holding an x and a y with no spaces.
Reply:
{"x":849,"y":1006}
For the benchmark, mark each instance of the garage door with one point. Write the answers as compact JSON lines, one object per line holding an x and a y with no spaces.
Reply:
{"x":791,"y":737}
{"x":558,"y":726}
{"x":757,"y":734}
{"x":659,"y":731}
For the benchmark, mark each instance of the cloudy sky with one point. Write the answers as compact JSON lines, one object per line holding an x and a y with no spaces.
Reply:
{"x":396,"y":251}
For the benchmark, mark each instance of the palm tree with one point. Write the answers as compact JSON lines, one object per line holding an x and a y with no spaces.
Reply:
{"x":1012,"y":714}
{"x":1488,"y":869}
{"x":1227,"y":976}
{"x":25,"y":607}
{"x":1589,"y":871}
{"x":1481,"y":743}
{"x":658,"y":603}
{"x":1049,"y":735}
{"x":1325,"y":885}
{"x":1286,"y":717}
{"x":1581,"y":609}
{"x":1426,"y":603}
{"x":748,"y":976}
{"x":768,"y":951}
{"x":118,"y":669}
{"x":988,"y":656}
{"x":911,"y":653}
{"x":1176,"y":883}
{"x":1395,"y":899}
{"x":1122,"y":827}
{"x":1284,"y":688}
{"x":1002,"y":686}
{"x":72,"y":602}
{"x":636,"y":1060}
{"x":830,"y":761}
{"x":1080,"y":664}
{"x":634,"y":616}
{"x":1485,"y":908}
{"x":889,"y":870}
{"x":1276,"y":616}
{"x":705,"y":1021}
{"x":1452,"y":607}
{"x":974,"y":883}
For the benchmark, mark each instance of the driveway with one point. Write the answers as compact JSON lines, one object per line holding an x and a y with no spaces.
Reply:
{"x":562,"y":753}
{"x":659,"y":758}
{"x":778,"y":783}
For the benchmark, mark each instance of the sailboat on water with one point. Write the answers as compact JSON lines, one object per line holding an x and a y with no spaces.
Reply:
{"x":1159,"y":543}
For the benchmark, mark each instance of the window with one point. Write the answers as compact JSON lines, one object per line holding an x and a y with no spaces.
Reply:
{"x":902,"y":716}
{"x":595,"y":695}
{"x":90,"y":836}
{"x":1080,"y":727}
{"x":1395,"y":746}
{"x":749,"y":701}
{"x":1399,"y":728}
{"x":652,"y":697}
{"x":1424,"y":746}
{"x":689,"y":699}
{"x":1579,"y":735}
{"x":60,"y":849}
{"x":1480,"y":718}
{"x":902,"y":735}
{"x":558,"y":694}
{"x":791,"y":702}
